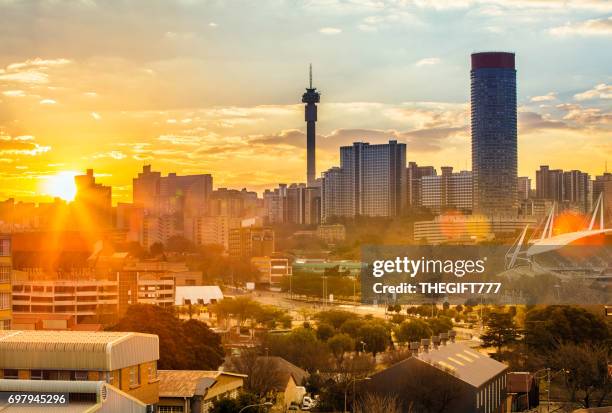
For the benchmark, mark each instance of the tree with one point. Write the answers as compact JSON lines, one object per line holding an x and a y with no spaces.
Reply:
{"x":500,"y":331}
{"x":227,"y":405}
{"x":586,"y":375}
{"x":334,"y":318}
{"x":440,"y":325}
{"x":413,"y":330}
{"x":263,"y":374}
{"x":300,"y":347}
{"x":183,"y":345}
{"x":324,"y":331}
{"x":374,"y":403}
{"x":351,"y":327}
{"x":546,"y":327}
{"x":340,"y":344}
{"x":157,"y":248}
{"x":375,"y":336}
{"x":179,"y":244}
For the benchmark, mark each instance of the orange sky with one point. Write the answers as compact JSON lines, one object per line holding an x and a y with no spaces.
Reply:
{"x":205,"y":95}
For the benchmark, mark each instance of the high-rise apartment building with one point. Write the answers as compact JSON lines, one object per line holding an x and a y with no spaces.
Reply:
{"x":570,"y":189}
{"x":494,"y":133}
{"x":577,"y":190}
{"x":295,"y":204}
{"x":247,"y":242}
{"x":448,"y":191}
{"x":414,"y":174}
{"x":371,"y":181}
{"x":92,"y":203}
{"x":6,"y":269}
{"x":549,"y":183}
{"x":214,"y":230}
{"x":524,"y":188}
{"x":170,"y":204}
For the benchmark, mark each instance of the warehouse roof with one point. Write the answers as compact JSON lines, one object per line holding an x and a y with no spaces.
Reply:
{"x":76,"y":350}
{"x":463,"y":362}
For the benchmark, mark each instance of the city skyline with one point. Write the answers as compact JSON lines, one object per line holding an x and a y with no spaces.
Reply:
{"x":183,"y":105}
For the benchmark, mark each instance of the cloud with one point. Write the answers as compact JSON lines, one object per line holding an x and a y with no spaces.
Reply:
{"x":544,"y":98}
{"x":21,"y":145}
{"x":47,"y":102}
{"x":13,"y":93}
{"x":213,"y":25}
{"x":96,"y":115}
{"x":111,"y":154}
{"x":600,"y":91}
{"x":532,"y":121}
{"x":428,"y":61}
{"x":587,"y":117}
{"x":593,"y":27}
{"x":30,"y":76}
{"x":37,"y":63}
{"x":330,"y":30}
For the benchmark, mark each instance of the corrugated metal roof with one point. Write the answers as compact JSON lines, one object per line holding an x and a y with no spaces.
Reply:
{"x":187,"y":383}
{"x":76,"y":350}
{"x":463,"y":362}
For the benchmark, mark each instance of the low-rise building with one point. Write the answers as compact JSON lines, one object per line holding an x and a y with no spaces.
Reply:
{"x":331,"y":233}
{"x":523,"y":391}
{"x":198,"y":295}
{"x":449,"y":375}
{"x":5,"y":282}
{"x":195,"y":391}
{"x":271,"y":270}
{"x":127,"y":361}
{"x":467,"y":228}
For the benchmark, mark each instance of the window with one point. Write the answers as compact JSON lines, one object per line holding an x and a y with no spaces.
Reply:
{"x":5,"y":247}
{"x":134,"y":376}
{"x":152,"y":372}
{"x":5,"y":274}
{"x":170,"y":409}
{"x":5,"y":324}
{"x":79,"y":375}
{"x":5,"y":301}
{"x":11,"y":374}
{"x":36,"y":374}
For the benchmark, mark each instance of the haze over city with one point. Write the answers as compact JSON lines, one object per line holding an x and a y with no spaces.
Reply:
{"x":215,"y":88}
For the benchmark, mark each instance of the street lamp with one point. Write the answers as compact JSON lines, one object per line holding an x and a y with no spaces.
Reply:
{"x":548,"y":377}
{"x":266,"y":404}
{"x":355,"y":379}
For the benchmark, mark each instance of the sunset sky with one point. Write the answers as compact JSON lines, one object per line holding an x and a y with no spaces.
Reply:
{"x":214,"y":86}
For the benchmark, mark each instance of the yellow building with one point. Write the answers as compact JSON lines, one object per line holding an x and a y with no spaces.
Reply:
{"x":194,"y":391}
{"x":127,"y":361}
{"x":5,"y":282}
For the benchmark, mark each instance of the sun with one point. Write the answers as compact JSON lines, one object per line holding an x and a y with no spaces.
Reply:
{"x":61,"y":185}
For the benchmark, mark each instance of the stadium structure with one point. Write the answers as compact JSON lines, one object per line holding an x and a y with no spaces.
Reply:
{"x":586,"y":253}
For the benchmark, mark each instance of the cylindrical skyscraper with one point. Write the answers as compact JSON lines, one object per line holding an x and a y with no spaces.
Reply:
{"x":311,"y":98}
{"x":494,"y":134}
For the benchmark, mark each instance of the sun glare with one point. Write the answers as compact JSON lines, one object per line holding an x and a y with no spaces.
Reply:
{"x":61,"y":185}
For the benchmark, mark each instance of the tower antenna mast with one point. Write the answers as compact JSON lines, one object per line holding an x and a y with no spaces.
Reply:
{"x":310,"y":75}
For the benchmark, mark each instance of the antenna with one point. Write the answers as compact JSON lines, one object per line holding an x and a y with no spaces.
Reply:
{"x":310,"y":75}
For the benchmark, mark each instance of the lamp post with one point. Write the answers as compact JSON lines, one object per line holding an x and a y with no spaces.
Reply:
{"x":267,"y":404}
{"x":548,"y":377}
{"x":355,"y":379}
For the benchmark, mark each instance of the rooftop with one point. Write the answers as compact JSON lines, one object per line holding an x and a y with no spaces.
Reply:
{"x":463,"y":362}
{"x":77,"y":350}
{"x":187,"y":383}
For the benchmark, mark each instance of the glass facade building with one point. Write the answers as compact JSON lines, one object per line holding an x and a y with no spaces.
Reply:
{"x":494,"y":134}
